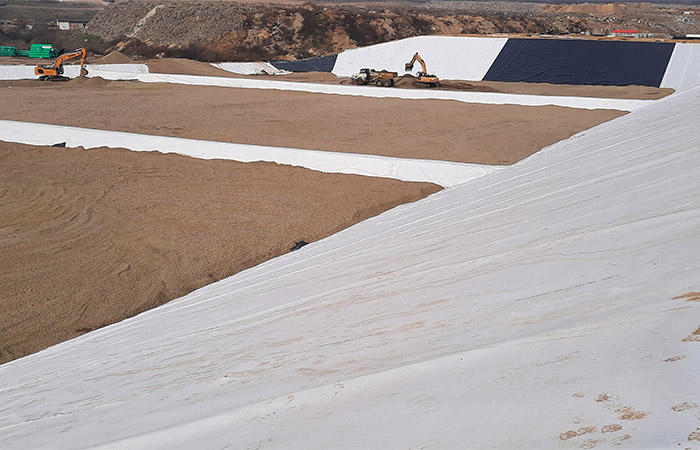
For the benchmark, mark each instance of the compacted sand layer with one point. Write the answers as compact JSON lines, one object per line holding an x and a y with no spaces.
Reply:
{"x":425,"y":129}
{"x":90,"y":237}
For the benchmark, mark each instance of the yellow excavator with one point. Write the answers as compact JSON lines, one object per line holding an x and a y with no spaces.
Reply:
{"x":424,"y":78}
{"x":54,"y":72}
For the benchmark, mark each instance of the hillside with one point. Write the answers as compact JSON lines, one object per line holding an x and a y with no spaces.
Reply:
{"x":216,"y":31}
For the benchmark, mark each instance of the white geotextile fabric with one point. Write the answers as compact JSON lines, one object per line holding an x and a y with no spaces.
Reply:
{"x":684,"y":66}
{"x":250,"y":68}
{"x":26,"y":72}
{"x":448,"y":57}
{"x":13,"y":72}
{"x":530,"y":309}
{"x":373,"y":91}
{"x":443,"y":173}
{"x":123,"y":68}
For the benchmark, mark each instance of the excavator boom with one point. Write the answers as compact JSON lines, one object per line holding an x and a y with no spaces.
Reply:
{"x":416,"y":57}
{"x":424,"y":79}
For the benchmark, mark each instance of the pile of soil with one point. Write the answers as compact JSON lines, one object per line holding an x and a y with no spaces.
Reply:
{"x":189,"y":67}
{"x":408,"y":82}
{"x":306,"y":77}
{"x":94,"y":82}
{"x":183,"y":66}
{"x":113,"y":58}
{"x":90,"y":237}
{"x":568,"y":90}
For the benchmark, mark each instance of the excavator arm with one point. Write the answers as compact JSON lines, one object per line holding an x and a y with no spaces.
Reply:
{"x":424,"y":78}
{"x":416,"y":57}
{"x":68,"y":56}
{"x":54,"y":71}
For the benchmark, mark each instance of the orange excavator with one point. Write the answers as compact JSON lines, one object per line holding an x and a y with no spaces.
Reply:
{"x":54,"y":72}
{"x":424,"y":78}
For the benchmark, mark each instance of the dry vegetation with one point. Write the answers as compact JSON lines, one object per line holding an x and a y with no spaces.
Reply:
{"x":244,"y":31}
{"x":232,"y":31}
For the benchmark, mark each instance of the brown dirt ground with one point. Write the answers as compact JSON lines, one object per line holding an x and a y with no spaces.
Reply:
{"x":90,"y":237}
{"x":427,"y":129}
{"x":186,"y":67}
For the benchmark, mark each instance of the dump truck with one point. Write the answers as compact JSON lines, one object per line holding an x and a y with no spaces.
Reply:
{"x":381,"y":78}
{"x":424,"y":79}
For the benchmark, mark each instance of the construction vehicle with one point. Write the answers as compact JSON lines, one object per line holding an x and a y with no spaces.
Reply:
{"x":381,"y":78}
{"x":54,"y":72}
{"x":424,"y":79}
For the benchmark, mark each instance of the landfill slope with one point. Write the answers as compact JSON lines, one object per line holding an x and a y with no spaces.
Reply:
{"x":549,"y":305}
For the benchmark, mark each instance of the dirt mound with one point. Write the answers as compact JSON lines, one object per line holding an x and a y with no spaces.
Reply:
{"x":21,"y":83}
{"x":454,"y":85}
{"x":407,"y":81}
{"x":88,"y":82}
{"x":183,"y":66}
{"x":312,"y":77}
{"x":113,"y":58}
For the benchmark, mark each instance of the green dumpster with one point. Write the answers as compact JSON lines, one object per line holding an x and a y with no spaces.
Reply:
{"x":42,"y":51}
{"x":8,"y":51}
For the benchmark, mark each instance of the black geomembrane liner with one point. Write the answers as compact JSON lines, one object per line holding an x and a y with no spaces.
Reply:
{"x":319,"y":64}
{"x":608,"y":63}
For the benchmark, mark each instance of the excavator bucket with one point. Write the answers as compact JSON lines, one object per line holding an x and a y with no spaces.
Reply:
{"x":409,"y":66}
{"x":83,"y":72}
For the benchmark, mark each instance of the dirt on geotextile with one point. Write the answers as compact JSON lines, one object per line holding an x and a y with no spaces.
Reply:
{"x":409,"y":82}
{"x":112,"y":58}
{"x":189,"y":67}
{"x":424,"y":129}
{"x":183,"y":66}
{"x":94,"y":82}
{"x":90,"y":237}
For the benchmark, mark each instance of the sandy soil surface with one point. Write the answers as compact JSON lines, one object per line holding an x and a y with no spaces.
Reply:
{"x":624,"y":92}
{"x":187,"y":67}
{"x":426,"y":129}
{"x":90,"y":237}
